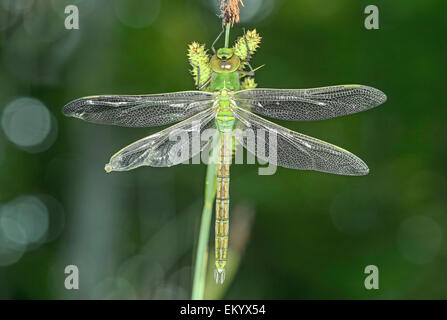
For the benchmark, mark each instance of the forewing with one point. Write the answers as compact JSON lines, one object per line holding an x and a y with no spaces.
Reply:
{"x":139,"y":111}
{"x":290,"y":149}
{"x":166,"y":148}
{"x":310,"y":104}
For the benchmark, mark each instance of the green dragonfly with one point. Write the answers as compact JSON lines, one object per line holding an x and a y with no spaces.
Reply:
{"x":222,"y":104}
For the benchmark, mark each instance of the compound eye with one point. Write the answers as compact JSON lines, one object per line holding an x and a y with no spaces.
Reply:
{"x":222,"y":56}
{"x":225,"y":53}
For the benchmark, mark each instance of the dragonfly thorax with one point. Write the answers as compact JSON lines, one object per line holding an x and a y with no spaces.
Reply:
{"x":225,"y":119}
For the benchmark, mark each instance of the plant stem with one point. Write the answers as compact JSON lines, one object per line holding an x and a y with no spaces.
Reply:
{"x":198,"y":285}
{"x":199,"y":279}
{"x":227,"y":35}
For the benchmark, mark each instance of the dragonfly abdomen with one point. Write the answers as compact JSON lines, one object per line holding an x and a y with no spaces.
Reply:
{"x":223,"y":206}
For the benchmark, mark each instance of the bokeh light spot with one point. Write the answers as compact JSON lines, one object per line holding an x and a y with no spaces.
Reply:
{"x":10,"y":251}
{"x":26,"y":122}
{"x":24,"y":220}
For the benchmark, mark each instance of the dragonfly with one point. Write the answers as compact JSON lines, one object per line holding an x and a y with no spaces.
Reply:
{"x":223,"y":105}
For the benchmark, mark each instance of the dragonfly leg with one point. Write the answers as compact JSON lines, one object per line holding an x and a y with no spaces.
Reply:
{"x":205,"y":84}
{"x":198,"y":86}
{"x":251,"y":68}
{"x":248,"y":49}
{"x":198,"y":74}
{"x":247,"y":73}
{"x":250,"y":73}
{"x":217,"y":39}
{"x":247,"y":60}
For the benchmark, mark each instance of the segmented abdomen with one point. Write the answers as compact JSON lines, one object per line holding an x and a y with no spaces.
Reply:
{"x":223,"y":205}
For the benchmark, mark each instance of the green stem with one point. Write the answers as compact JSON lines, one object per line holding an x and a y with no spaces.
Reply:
{"x":198,"y":285}
{"x":227,"y":35}
{"x":199,"y":279}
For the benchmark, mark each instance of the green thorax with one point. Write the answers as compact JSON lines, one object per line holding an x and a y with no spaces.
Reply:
{"x":228,"y":81}
{"x":225,"y":79}
{"x":225,"y":118}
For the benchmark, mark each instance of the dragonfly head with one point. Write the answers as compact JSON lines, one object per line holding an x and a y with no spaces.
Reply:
{"x":225,"y":61}
{"x":224,"y":53}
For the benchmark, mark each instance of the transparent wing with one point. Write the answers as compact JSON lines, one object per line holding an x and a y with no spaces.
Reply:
{"x":166,"y":148}
{"x":286,"y":148}
{"x":139,"y":111}
{"x":310,"y":104}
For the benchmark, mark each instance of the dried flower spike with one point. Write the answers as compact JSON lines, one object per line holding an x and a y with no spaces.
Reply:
{"x":229,"y":10}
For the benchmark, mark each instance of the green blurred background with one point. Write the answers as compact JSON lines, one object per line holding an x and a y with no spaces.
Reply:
{"x":294,"y":235}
